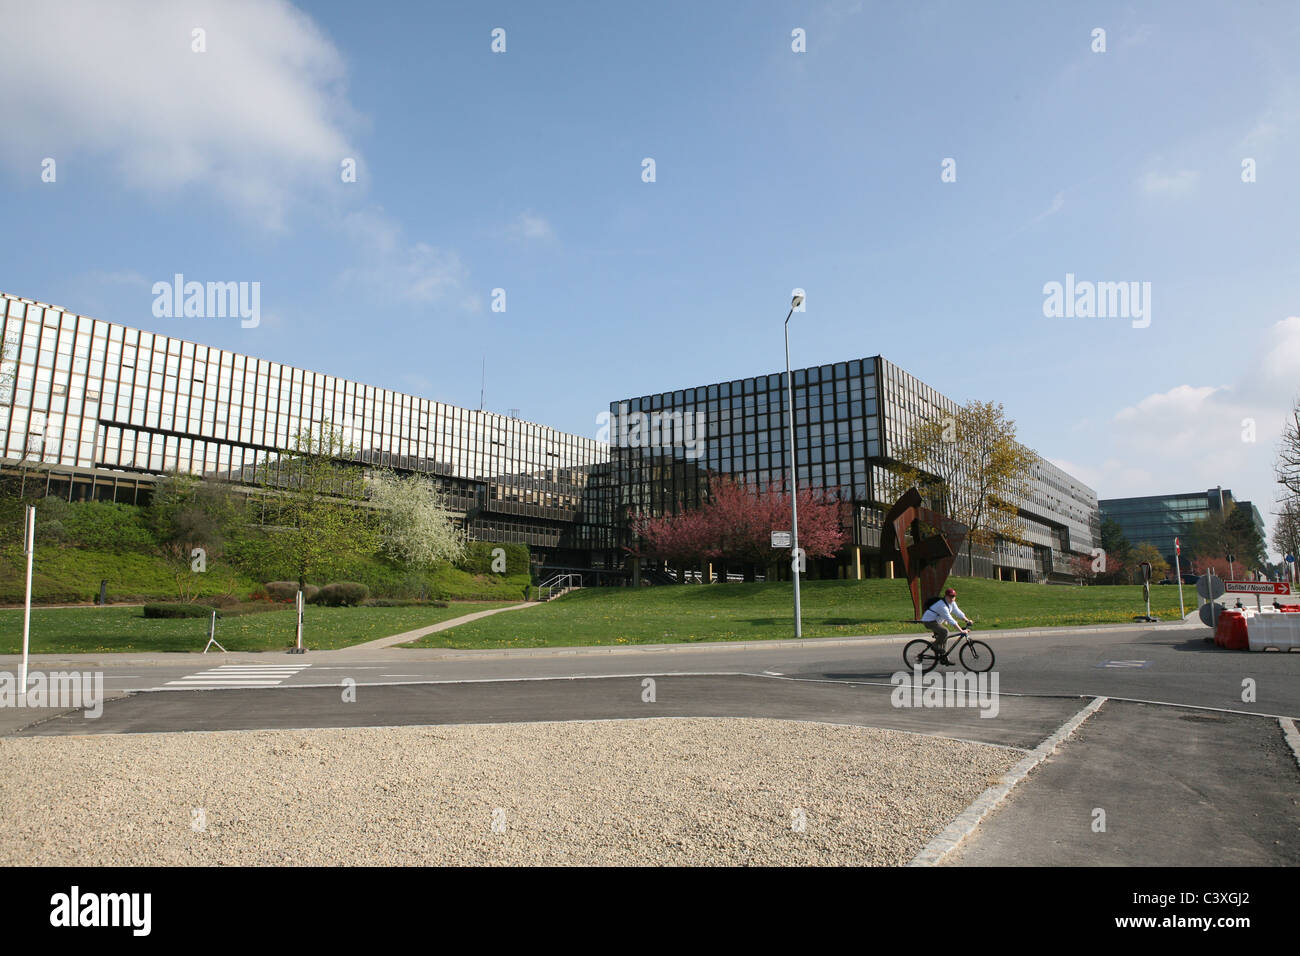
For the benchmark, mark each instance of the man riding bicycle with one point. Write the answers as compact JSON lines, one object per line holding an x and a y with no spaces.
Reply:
{"x":942,"y":612}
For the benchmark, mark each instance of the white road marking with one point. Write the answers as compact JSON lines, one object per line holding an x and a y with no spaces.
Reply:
{"x":240,"y":675}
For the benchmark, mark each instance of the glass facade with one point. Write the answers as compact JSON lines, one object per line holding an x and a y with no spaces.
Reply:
{"x":1158,"y":519}
{"x":849,"y":417}
{"x":82,"y":392}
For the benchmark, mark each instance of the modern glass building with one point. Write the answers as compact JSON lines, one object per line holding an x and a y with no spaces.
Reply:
{"x":1158,"y":519}
{"x":851,"y":418}
{"x":105,"y":407}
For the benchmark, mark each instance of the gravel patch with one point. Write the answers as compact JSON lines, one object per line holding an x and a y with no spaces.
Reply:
{"x":680,"y":791}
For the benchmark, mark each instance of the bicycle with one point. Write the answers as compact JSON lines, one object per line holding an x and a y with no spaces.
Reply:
{"x":975,"y":656}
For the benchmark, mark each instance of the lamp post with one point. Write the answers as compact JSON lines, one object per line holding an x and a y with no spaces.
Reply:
{"x":794,"y":482}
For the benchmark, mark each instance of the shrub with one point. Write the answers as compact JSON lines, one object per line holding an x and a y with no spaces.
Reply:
{"x":288,"y":591}
{"x":342,"y":594}
{"x":177,"y":610}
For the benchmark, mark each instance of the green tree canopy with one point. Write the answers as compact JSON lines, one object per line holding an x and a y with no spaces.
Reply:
{"x":971,"y":468}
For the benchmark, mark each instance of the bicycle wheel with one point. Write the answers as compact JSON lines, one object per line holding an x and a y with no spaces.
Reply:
{"x":976,"y":656}
{"x":920,"y":653}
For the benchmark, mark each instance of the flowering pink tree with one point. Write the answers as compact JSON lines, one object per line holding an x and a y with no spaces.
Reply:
{"x":735,"y":526}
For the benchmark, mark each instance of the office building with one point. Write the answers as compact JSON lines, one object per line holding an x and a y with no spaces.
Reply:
{"x":106,"y":407}
{"x":1159,"y":519}
{"x":850,"y":420}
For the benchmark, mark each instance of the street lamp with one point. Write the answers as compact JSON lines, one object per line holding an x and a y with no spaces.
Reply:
{"x":794,"y":482}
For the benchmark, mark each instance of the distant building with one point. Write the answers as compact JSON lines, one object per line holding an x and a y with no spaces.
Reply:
{"x":1158,"y":519}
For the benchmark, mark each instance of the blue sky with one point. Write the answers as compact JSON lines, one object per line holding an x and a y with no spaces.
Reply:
{"x":821,"y":170}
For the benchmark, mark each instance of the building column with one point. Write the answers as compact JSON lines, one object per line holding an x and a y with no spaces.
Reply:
{"x":857,"y":562}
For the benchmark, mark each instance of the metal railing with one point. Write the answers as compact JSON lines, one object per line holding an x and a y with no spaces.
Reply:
{"x":558,"y":585}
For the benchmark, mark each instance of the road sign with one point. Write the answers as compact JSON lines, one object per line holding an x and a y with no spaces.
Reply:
{"x":1290,"y":559}
{"x":1209,"y":587}
{"x":781,"y":539}
{"x":1257,"y":587}
{"x":1178,"y":548}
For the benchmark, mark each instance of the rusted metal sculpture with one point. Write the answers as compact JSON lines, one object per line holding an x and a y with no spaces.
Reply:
{"x":927,"y":560}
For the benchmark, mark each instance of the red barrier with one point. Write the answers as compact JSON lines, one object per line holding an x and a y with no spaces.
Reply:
{"x":1231,"y":631}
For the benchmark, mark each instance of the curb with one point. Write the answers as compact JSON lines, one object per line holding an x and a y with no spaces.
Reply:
{"x":1292,"y":738}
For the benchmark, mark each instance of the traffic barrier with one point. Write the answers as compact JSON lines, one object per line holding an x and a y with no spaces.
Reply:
{"x":1232,"y":632}
{"x":1280,"y":631}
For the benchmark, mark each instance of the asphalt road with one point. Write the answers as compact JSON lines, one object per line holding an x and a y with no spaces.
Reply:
{"x":1168,"y":664}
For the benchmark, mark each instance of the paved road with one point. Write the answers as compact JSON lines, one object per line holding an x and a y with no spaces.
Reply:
{"x":1173,"y":664}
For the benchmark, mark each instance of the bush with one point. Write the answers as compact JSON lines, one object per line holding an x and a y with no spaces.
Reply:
{"x":342,"y":594}
{"x":288,"y":591}
{"x":178,"y":610}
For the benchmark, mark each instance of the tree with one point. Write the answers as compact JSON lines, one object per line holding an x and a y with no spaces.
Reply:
{"x":971,"y":468}
{"x":315,"y":499}
{"x":1251,"y":550}
{"x":192,"y":520}
{"x":1150,"y":553}
{"x":1288,"y":456}
{"x":1286,"y":532}
{"x":1217,"y":536}
{"x":416,"y":525}
{"x":1204,"y":564}
{"x":736,"y":523}
{"x":1113,"y":541}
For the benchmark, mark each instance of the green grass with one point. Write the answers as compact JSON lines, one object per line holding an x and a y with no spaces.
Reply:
{"x":125,"y":629}
{"x":747,"y":612}
{"x":64,"y":575}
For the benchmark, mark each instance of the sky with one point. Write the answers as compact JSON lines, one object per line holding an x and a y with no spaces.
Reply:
{"x":923,"y":171}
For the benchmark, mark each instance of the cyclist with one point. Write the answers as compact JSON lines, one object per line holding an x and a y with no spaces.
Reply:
{"x":942,"y":612}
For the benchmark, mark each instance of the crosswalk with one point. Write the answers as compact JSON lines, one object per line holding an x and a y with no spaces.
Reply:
{"x":240,"y":675}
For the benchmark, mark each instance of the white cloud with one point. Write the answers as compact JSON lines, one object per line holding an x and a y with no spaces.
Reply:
{"x":397,"y":270}
{"x":255,"y":121}
{"x":1170,"y":184}
{"x":529,"y":226}
{"x":1194,"y":437}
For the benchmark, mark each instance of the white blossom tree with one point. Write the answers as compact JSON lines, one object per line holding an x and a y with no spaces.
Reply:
{"x":417,"y":526}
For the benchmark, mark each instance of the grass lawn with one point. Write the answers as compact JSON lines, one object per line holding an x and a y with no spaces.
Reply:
{"x":747,"y":612}
{"x":112,"y":629}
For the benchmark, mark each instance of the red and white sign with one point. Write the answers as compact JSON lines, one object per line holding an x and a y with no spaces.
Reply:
{"x":1178,"y":548}
{"x":1257,"y":587}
